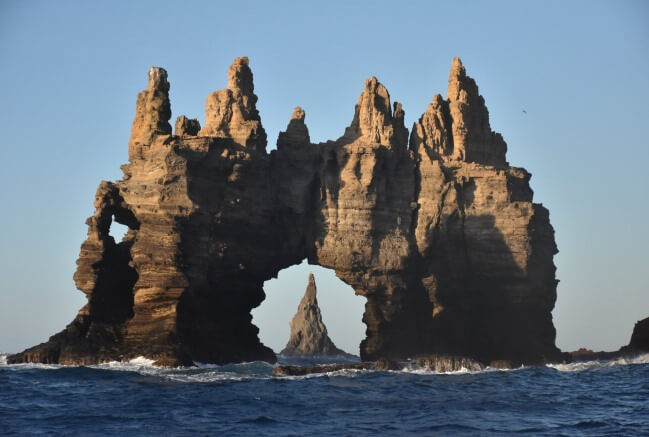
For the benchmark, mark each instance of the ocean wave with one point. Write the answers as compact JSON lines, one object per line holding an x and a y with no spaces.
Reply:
{"x":349,"y":373}
{"x":425,"y":371}
{"x":312,"y":360}
{"x":581,"y":366}
{"x":132,"y":364}
{"x":210,"y":373}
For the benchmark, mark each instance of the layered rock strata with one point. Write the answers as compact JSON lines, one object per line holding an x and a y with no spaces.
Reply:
{"x":308,"y":332}
{"x":435,"y":229}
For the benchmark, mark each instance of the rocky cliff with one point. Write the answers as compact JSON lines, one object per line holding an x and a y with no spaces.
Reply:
{"x":434,"y":228}
{"x":308,"y":331}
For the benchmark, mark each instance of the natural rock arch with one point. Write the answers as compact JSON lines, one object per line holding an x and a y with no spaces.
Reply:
{"x":436,"y":230}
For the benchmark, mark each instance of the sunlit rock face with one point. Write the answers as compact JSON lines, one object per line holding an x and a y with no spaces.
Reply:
{"x":434,"y":228}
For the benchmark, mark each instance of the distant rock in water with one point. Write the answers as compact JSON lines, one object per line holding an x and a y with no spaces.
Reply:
{"x":308,"y":331}
{"x":639,"y":344}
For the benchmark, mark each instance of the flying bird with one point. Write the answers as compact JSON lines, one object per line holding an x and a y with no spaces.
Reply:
{"x":524,"y":111}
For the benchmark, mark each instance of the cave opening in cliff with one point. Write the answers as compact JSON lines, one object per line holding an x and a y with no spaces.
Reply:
{"x":117,"y":230}
{"x":342,"y":310}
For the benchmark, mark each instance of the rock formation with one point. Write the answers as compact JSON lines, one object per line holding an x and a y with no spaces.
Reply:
{"x":436,"y":230}
{"x":308,"y":331}
{"x":639,"y":344}
{"x":640,"y":336}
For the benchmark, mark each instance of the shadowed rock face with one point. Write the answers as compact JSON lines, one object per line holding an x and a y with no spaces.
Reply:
{"x":640,"y":337}
{"x":308,"y":331}
{"x":436,"y":230}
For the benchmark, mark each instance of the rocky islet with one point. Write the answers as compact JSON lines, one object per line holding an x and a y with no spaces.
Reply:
{"x":433,"y":227}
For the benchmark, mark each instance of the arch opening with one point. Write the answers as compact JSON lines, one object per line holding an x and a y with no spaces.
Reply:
{"x":117,"y":230}
{"x":342,"y":310}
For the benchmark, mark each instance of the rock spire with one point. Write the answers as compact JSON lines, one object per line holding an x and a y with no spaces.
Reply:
{"x":152,"y":113}
{"x":374,"y":121}
{"x":296,"y":134}
{"x":232,"y":112}
{"x":308,"y":331}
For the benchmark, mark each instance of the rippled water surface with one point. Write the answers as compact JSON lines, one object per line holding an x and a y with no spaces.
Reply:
{"x":135,"y":398}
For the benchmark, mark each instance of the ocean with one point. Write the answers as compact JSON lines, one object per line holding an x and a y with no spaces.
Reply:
{"x":136,"y":398}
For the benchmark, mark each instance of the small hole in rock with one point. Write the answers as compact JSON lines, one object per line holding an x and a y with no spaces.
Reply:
{"x":117,"y":230}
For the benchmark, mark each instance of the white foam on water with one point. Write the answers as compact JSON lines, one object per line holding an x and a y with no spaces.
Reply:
{"x":317,"y":359}
{"x":206,"y":377}
{"x":349,"y":373}
{"x":139,"y":364}
{"x":425,"y":371}
{"x":581,"y":366}
{"x":207,"y":373}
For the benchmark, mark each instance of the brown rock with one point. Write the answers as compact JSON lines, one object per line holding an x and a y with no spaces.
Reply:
{"x":187,"y":126}
{"x":231,"y":112}
{"x":442,"y":238}
{"x":446,"y":363}
{"x":473,"y":140}
{"x":373,"y":120}
{"x":386,"y":364}
{"x":152,"y":113}
{"x":308,"y":331}
{"x":584,"y":354}
{"x":296,"y":134}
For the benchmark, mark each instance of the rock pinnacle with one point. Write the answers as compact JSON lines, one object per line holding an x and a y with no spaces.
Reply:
{"x":308,"y":331}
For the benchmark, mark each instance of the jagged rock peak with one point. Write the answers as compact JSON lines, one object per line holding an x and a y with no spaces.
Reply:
{"x":373,"y":120}
{"x":240,"y":76}
{"x":232,"y":112}
{"x":297,"y":133}
{"x":152,"y":113}
{"x":308,"y":331}
{"x":432,"y":133}
{"x":473,"y":140}
{"x":310,"y":293}
{"x":187,"y":126}
{"x":298,"y":115}
{"x":158,"y":79}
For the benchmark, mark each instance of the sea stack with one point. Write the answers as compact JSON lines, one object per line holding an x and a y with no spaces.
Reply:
{"x":308,"y":331}
{"x":434,"y":228}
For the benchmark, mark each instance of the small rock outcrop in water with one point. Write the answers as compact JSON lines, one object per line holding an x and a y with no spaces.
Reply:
{"x":639,"y":344}
{"x":435,"y":229}
{"x":308,"y":331}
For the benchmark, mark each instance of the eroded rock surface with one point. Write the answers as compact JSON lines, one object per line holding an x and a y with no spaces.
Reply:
{"x":435,"y":229}
{"x":308,"y":332}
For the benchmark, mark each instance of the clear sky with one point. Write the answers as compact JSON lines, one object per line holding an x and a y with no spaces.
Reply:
{"x":70,"y":73}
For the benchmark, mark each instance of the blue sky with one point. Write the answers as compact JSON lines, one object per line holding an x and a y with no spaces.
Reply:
{"x":70,"y":73}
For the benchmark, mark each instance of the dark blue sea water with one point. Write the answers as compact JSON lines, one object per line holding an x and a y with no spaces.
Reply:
{"x":595,"y":398}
